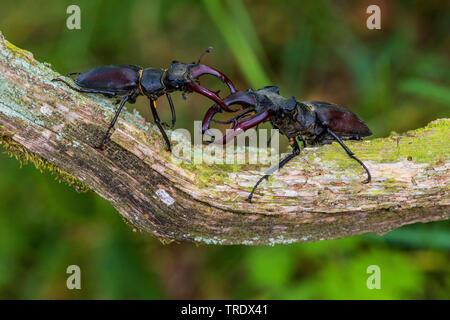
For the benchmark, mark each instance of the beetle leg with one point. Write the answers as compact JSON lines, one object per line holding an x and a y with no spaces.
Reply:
{"x":209,"y":115}
{"x":172,"y":109}
{"x":158,"y":123}
{"x":201,"y":69}
{"x":113,"y":122}
{"x":107,"y":93}
{"x":239,"y":97}
{"x":244,"y":125}
{"x":270,"y":138}
{"x":295,"y":152}
{"x":351,"y":155}
{"x":234,"y":119}
{"x":72,"y":74}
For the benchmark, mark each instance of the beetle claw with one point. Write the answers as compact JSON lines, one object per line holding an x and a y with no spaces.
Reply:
{"x":167,"y":126}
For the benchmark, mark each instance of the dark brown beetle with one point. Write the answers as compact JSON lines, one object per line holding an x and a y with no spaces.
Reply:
{"x":127,"y":82}
{"x":312,"y":122}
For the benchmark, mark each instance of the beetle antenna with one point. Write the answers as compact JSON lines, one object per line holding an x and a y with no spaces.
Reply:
{"x":204,"y":52}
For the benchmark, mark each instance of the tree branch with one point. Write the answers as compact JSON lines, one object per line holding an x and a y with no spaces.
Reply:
{"x":317,"y":196}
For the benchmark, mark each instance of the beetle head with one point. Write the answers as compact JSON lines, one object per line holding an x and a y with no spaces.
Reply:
{"x":176,"y":75}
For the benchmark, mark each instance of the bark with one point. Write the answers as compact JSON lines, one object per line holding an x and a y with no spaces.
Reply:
{"x":317,"y":196}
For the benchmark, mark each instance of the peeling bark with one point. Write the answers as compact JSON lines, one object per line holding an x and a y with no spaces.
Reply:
{"x":317,"y":196}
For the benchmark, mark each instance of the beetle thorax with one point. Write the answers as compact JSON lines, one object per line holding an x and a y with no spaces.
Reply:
{"x":297,"y":122}
{"x":151,"y":82}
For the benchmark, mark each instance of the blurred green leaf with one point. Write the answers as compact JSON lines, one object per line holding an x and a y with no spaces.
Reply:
{"x":238,"y":43}
{"x":347,"y":279}
{"x":426,"y":89}
{"x":121,"y":273}
{"x":414,"y":237}
{"x":241,"y":17}
{"x":269,"y":267}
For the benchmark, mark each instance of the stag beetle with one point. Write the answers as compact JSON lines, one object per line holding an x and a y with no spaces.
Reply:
{"x":127,"y":82}
{"x":312,"y":122}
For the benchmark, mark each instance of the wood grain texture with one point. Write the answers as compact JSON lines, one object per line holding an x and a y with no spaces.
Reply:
{"x":317,"y":196}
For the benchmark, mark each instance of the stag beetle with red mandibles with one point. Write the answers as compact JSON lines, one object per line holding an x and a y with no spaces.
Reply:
{"x":312,"y":122}
{"x":127,"y":82}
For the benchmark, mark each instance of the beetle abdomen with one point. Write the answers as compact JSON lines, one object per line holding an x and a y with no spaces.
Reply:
{"x":117,"y":78}
{"x":340,"y":120}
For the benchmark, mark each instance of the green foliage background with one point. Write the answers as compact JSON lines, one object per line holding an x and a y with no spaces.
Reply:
{"x":396,"y":78}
